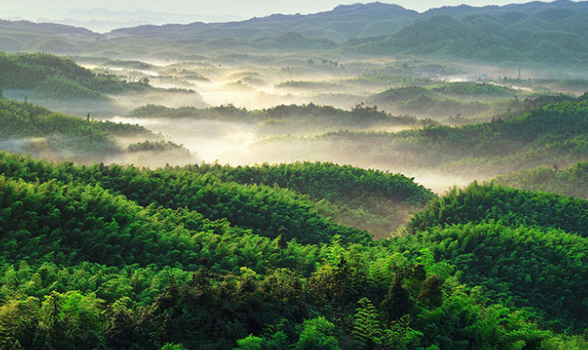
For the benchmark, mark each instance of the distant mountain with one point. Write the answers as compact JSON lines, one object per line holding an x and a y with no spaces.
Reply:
{"x":340,"y":24}
{"x":100,"y":26}
{"x":103,"y":20}
{"x":549,"y":33}
{"x":541,"y":32}
{"x":531,"y":8}
{"x":48,"y":37}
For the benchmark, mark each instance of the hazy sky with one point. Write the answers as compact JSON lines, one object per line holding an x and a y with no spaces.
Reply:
{"x":58,"y":9}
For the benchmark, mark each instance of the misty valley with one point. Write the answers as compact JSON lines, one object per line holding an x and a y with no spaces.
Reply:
{"x":368,"y":177}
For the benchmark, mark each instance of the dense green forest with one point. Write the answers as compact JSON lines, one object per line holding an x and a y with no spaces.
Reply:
{"x":387,"y":202}
{"x":462,"y":99}
{"x":59,"y":77}
{"x":553,"y":134}
{"x":516,"y":244}
{"x":30,"y":129}
{"x":277,"y":183}
{"x":292,"y":119}
{"x":376,"y":201}
{"x":570,"y":182}
{"x":117,"y":257}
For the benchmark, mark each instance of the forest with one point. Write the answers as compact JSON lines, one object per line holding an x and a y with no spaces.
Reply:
{"x":58,"y":76}
{"x":297,"y":255}
{"x":363,"y":177}
{"x":304,"y":119}
{"x":544,"y":136}
{"x":34,"y":130}
{"x":104,"y":256}
{"x":568,"y":181}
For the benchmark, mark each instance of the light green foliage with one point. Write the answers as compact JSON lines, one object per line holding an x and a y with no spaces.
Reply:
{"x":72,"y":319}
{"x":250,"y":343}
{"x":401,"y":336}
{"x":317,"y":334}
{"x":172,"y":346}
{"x":366,"y":325}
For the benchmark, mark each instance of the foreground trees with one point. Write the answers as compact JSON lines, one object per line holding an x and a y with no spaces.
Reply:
{"x":111,"y":258}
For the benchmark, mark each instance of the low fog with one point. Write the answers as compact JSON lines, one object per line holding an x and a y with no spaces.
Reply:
{"x":303,"y":80}
{"x":403,"y":88}
{"x":211,"y":140}
{"x":243,"y":144}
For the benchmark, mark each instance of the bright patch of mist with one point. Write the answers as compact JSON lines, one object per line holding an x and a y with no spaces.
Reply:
{"x":437,"y":182}
{"x":211,"y":140}
{"x":171,"y":99}
{"x":154,"y":160}
{"x":37,"y":146}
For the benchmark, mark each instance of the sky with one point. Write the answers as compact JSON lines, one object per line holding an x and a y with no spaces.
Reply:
{"x":59,"y":9}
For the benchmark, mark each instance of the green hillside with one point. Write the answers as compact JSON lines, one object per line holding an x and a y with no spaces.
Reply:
{"x":28,"y":129}
{"x":553,"y":134}
{"x":177,"y":188}
{"x":38,"y":131}
{"x":524,"y":248}
{"x":87,"y":266}
{"x":291,"y":119}
{"x":57,"y":76}
{"x":572,"y":181}
{"x":477,"y":203}
{"x":376,"y":201}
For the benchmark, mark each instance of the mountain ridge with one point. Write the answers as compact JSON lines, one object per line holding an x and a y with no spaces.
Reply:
{"x":538,"y":32}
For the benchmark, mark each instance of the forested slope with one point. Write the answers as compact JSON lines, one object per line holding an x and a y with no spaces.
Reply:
{"x":291,"y":119}
{"x":30,"y":129}
{"x":376,"y":201}
{"x":572,"y":181}
{"x":107,"y":257}
{"x":525,"y":248}
{"x":59,"y":77}
{"x":269,"y":212}
{"x":553,"y":134}
{"x":523,"y":267}
{"x":513,"y":207}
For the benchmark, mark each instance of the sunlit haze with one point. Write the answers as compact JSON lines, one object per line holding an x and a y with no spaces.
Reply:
{"x":214,"y":10}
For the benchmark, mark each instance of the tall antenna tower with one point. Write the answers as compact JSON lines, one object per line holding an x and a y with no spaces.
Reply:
{"x":519,"y":77}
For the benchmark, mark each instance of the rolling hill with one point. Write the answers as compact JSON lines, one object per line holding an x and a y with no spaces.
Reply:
{"x":534,"y":33}
{"x":29,"y":129}
{"x":58,"y":77}
{"x":552,"y":134}
{"x":121,"y":257}
{"x":569,"y":182}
